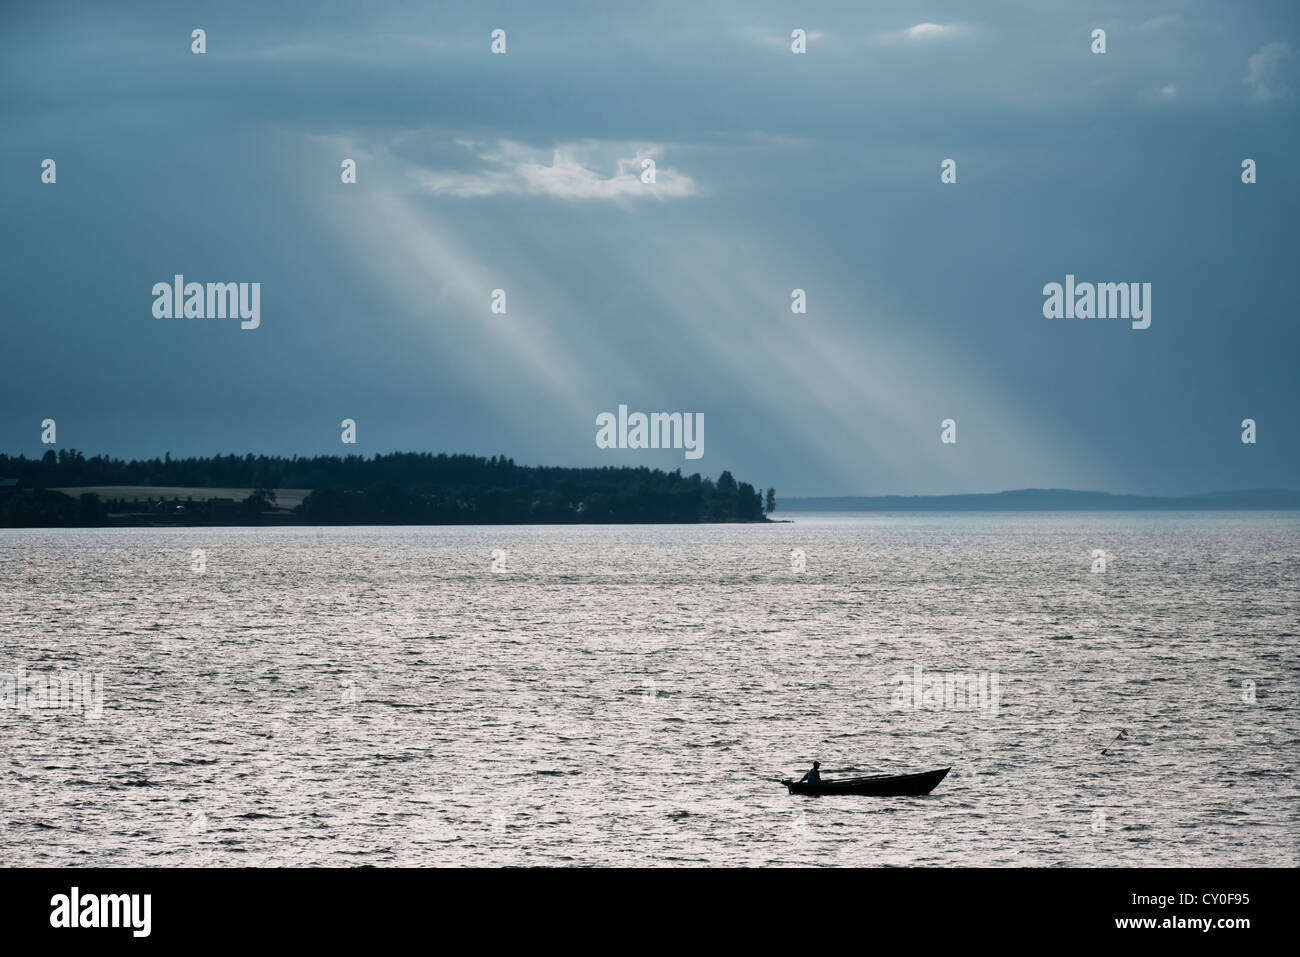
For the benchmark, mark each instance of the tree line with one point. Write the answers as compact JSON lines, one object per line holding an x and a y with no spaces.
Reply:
{"x":399,"y":488}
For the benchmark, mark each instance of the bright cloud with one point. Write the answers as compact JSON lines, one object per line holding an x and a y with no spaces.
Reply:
{"x":1163,"y":22}
{"x":920,"y":33}
{"x":779,"y":39}
{"x":510,"y":168}
{"x":1264,"y":73}
{"x":923,"y":31}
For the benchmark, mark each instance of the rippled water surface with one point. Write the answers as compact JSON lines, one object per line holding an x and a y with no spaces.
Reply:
{"x":618,"y":695}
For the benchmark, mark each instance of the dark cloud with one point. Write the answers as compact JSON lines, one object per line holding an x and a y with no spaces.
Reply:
{"x":818,"y":172}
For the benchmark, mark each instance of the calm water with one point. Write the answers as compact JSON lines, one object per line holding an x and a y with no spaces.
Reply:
{"x":616,"y":695}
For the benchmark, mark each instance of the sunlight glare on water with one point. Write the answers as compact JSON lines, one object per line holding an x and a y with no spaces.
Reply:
{"x":621,"y":694}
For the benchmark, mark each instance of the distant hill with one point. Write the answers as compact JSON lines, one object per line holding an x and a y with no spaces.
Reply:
{"x":1045,"y":500}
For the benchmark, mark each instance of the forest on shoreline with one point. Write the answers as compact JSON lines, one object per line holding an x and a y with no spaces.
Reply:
{"x":401,"y":488}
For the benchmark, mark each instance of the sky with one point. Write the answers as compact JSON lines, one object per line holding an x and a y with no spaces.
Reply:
{"x":775,"y":171}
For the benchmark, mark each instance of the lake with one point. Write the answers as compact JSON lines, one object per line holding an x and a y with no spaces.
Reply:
{"x":622,"y":695}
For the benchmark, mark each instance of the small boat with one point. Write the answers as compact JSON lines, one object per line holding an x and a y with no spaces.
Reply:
{"x":892,"y":785}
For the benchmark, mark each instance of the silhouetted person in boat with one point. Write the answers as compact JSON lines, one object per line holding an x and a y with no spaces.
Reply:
{"x":812,"y":776}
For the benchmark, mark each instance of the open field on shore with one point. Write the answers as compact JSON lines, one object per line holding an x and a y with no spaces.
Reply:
{"x":284,"y":497}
